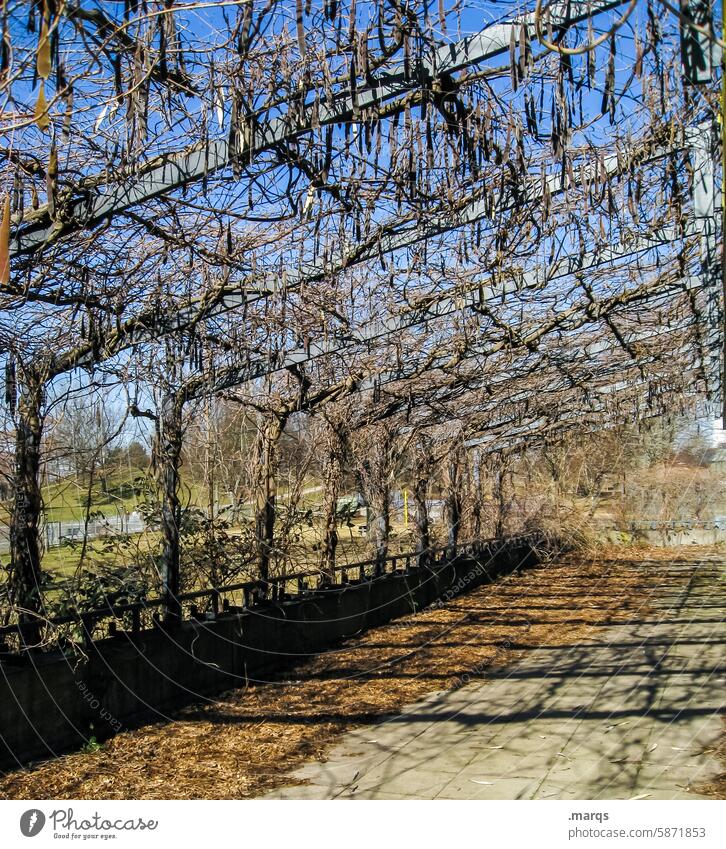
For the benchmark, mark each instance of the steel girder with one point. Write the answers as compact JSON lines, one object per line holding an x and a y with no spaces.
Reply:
{"x":178,"y":169}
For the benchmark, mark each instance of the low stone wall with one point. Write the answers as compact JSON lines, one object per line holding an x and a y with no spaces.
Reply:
{"x":52,"y":704}
{"x":671,"y":534}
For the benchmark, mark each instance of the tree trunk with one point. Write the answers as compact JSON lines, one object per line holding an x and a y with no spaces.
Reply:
{"x":380,"y":531}
{"x":453,"y":502}
{"x":170,"y":448}
{"x":476,"y":494}
{"x":501,"y":501}
{"x":25,"y":580}
{"x":332,"y":475}
{"x":376,"y":460}
{"x":210,"y":486}
{"x":379,"y":527}
{"x":270,"y":434}
{"x":421,"y":518}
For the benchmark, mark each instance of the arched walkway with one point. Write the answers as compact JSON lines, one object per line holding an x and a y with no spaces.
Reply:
{"x":629,"y":712}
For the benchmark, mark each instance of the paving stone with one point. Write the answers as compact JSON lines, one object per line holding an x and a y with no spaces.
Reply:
{"x":553,"y":791}
{"x":504,"y":766}
{"x":335,"y":773}
{"x":503,"y":788}
{"x":611,"y":718}
{"x":373,"y":795}
{"x":391,"y":777}
{"x":300,"y":791}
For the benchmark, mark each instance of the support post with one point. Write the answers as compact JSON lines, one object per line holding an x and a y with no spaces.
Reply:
{"x":332,"y":472}
{"x":380,"y":529}
{"x":701,"y":141}
{"x":421,"y":516}
{"x":170,"y":447}
{"x":453,"y":500}
{"x":500,"y":499}
{"x":270,"y":433}
{"x":26,"y":577}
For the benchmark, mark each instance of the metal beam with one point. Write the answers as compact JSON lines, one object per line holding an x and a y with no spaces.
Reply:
{"x":395,"y":235}
{"x":522,"y":425}
{"x":434,"y":307}
{"x":231,"y":378}
{"x":537,"y":393}
{"x":541,"y":420}
{"x":178,"y":169}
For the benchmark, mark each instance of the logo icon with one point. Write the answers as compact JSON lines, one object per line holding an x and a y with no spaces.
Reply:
{"x":32,"y":822}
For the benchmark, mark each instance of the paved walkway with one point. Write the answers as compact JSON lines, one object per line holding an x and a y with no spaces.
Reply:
{"x":624,"y":715}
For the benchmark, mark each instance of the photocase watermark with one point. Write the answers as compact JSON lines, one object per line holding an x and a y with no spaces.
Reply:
{"x":464,"y":581}
{"x":474,"y":672}
{"x":482,"y":567}
{"x":66,"y":825}
{"x":32,"y":822}
{"x":95,"y":704}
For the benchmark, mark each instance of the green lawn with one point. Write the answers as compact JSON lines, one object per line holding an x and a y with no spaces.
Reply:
{"x":117,"y":492}
{"x":121,"y":491}
{"x":124,"y":490}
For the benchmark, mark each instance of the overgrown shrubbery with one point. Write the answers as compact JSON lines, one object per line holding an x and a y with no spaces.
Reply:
{"x":212,"y":553}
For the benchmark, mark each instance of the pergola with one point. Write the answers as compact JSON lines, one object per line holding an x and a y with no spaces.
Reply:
{"x":408,"y":223}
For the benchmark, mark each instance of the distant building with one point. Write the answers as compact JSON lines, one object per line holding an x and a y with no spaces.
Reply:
{"x":718,"y":434}
{"x":716,"y":459}
{"x":6,"y":475}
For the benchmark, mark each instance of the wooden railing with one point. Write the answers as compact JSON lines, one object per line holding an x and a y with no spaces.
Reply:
{"x":79,"y":629}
